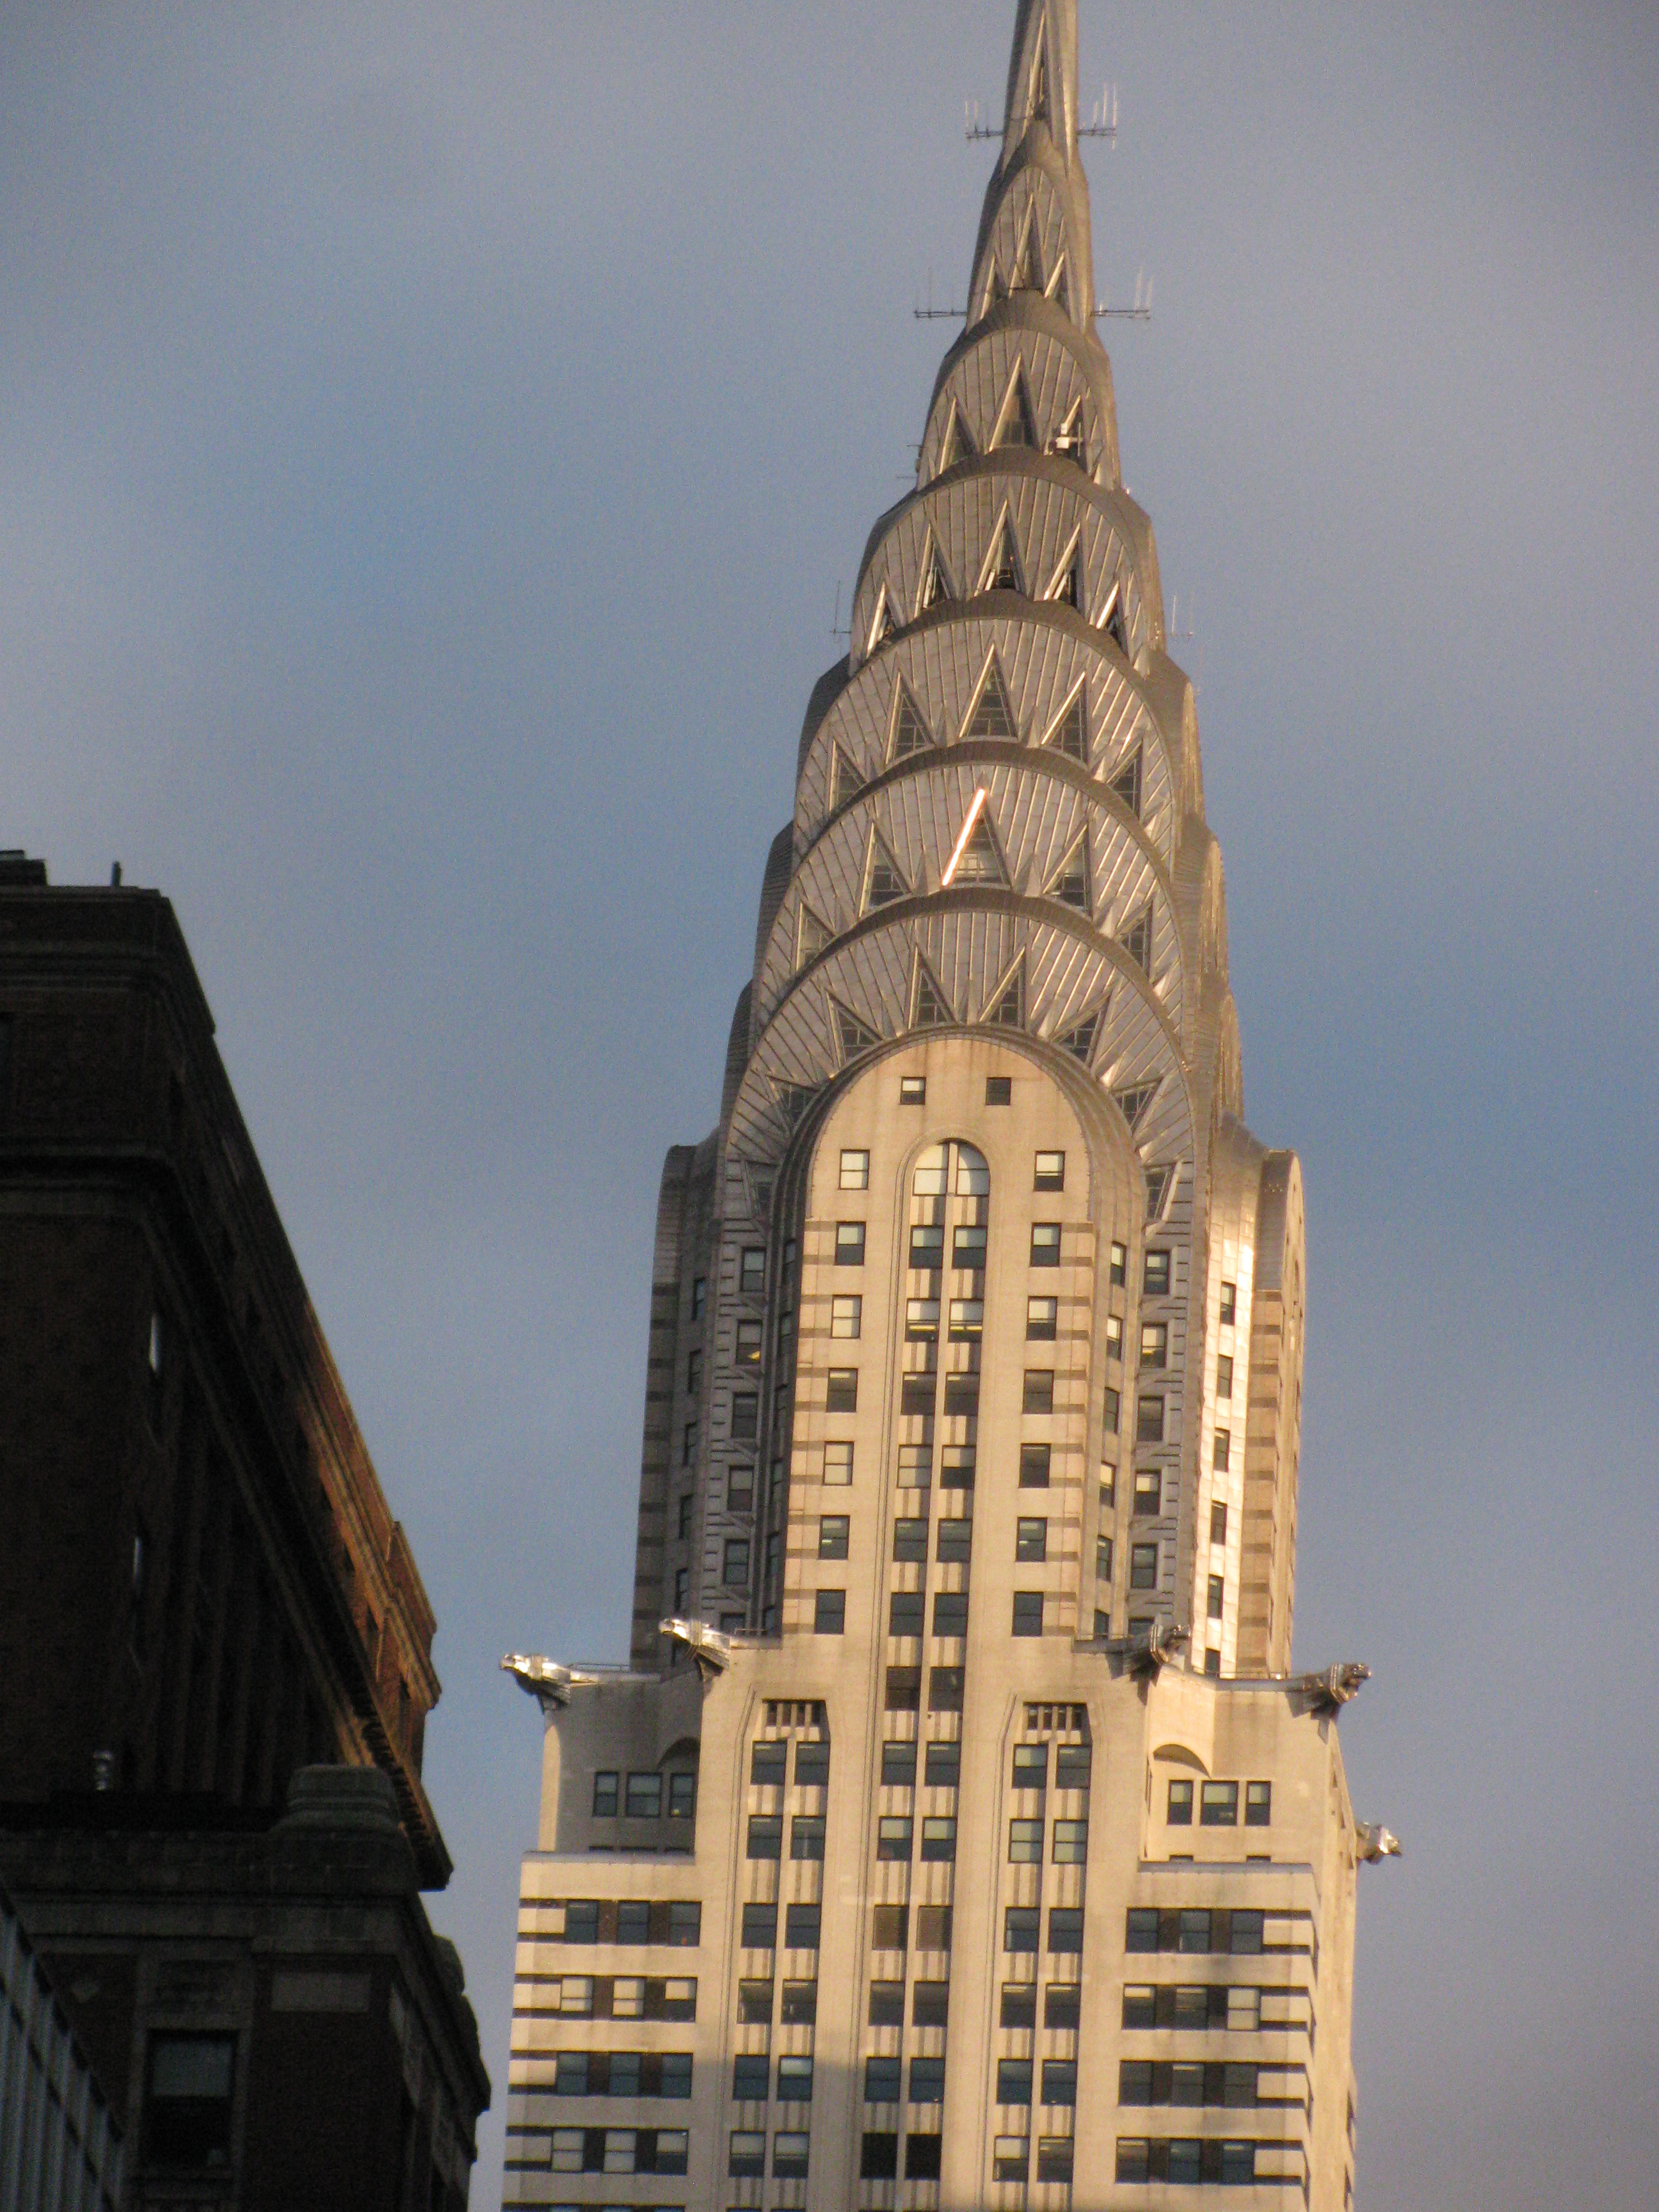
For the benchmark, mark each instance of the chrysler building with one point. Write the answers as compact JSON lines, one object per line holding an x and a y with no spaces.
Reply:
{"x":957,"y":1835}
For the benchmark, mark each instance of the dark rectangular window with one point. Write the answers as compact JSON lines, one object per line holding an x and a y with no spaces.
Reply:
{"x":833,"y":1532}
{"x":1134,"y":2075}
{"x":745,"y":1416}
{"x":968,"y":1247}
{"x":748,"y":1351}
{"x":1062,"y":2004}
{"x":1142,"y":1566}
{"x":889,"y":1927}
{"x":188,"y":2106}
{"x":933,"y":1927}
{"x":1114,"y":1411}
{"x":606,"y":1786}
{"x":644,"y":1800}
{"x":917,"y":1395}
{"x":1155,"y":1282}
{"x":811,"y":1765}
{"x":939,"y":1839}
{"x":955,"y":1541}
{"x":806,"y":1836}
{"x":922,"y":2153}
{"x":632,"y":1921}
{"x":1179,"y":1813}
{"x":1066,"y":1931}
{"x":999,"y":1089}
{"x":903,"y":1690}
{"x":794,"y":2079}
{"x":1141,"y":1931}
{"x":956,"y":1464}
{"x":829,"y":1613}
{"x":927,"y":1246}
{"x":1216,"y":1598}
{"x":755,"y":2001}
{"x":682,"y":1794}
{"x":1034,"y":1461}
{"x":1049,"y":1172}
{"x":768,"y":1763}
{"x":944,"y":1765}
{"x":1013,"y":2081}
{"x":747,"y":2159}
{"x":752,"y":1274}
{"x":898,"y":1765}
{"x":765,"y":1836}
{"x":1224,"y":1377}
{"x":581,"y":1921}
{"x":912,"y":1091}
{"x":1139,"y":2008}
{"x":930,"y":2004}
{"x":1218,"y":1805}
{"x":1045,"y":1243}
{"x":1041,"y":1319}
{"x":1217,"y":1524}
{"x":950,"y":1613}
{"x":1039,"y":1390}
{"x":909,"y":1540}
{"x":927,"y":2080}
{"x":1229,"y":1305}
{"x":750,"y":2077}
{"x":1148,"y":1500}
{"x":849,"y":1243}
{"x":1028,"y":1612}
{"x":1258,"y":1805}
{"x":801,"y":1928}
{"x":893,"y":1836}
{"x":1054,"y":2152}
{"x":800,"y":2004}
{"x":1104,"y":1558}
{"x":1244,"y":1934}
{"x":1194,"y":1931}
{"x":905,"y":1612}
{"x":961,"y":1395}
{"x":1149,"y":1421}
{"x":1030,"y":1767}
{"x":1059,"y":2081}
{"x":1019,"y":2004}
{"x":878,"y":2153}
{"x":1031,"y":1540}
{"x":842,"y":1394}
{"x":944,"y":1688}
{"x":886,"y":2004}
{"x":1021,"y":1927}
{"x":760,"y":1927}
{"x":734,"y":1562}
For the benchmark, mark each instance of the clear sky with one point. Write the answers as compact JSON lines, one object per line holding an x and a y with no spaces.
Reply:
{"x":431,"y":439}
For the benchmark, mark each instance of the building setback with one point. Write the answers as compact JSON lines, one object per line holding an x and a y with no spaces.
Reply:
{"x":958,"y":1836}
{"x":215,"y":1643}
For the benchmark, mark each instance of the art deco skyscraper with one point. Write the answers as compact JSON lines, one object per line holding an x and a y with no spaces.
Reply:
{"x":957,"y":1837}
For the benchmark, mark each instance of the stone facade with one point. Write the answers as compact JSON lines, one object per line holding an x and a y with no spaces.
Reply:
{"x":958,"y":1836}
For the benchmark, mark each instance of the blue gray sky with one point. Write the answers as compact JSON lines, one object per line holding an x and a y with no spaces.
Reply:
{"x":431,"y":439}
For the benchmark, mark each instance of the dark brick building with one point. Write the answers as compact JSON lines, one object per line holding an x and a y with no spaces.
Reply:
{"x":202,"y":1595}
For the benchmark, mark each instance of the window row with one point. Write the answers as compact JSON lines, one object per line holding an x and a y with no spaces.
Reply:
{"x":883,"y":2085}
{"x":968,"y":1248}
{"x":622,"y":2074}
{"x":607,"y":1996}
{"x":634,"y":1920}
{"x":1018,"y":2077}
{"x":643,"y":1800}
{"x":768,"y":1763}
{"x":1200,"y":1930}
{"x":806,"y":1835}
{"x":1188,"y":2081}
{"x":756,"y":2002}
{"x":1071,"y":1843}
{"x":1062,"y":2005}
{"x":1185,"y":2161}
{"x":829,"y":1615}
{"x":752,"y":2075}
{"x":1022,"y":1928}
{"x":895,"y":1839}
{"x":947,"y":1687}
{"x":800,"y":1927}
{"x":1218,"y":1804}
{"x":1011,"y":2158}
{"x":619,"y":2150}
{"x":746,"y":2158}
{"x":878,"y":2156}
{"x":1221,"y":2005}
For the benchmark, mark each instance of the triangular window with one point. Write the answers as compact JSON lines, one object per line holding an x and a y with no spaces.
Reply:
{"x":1007,"y":1008}
{"x":935,"y":584}
{"x":1112,"y":620}
{"x":1080,"y":1039}
{"x":1039,"y":104}
{"x":856,"y":1037}
{"x":932,"y":1010}
{"x":1058,"y":289}
{"x":1158,"y":1189}
{"x":1015,"y":425}
{"x":1137,"y":942}
{"x":1070,"y":440}
{"x":883,"y":880}
{"x":958,"y":441}
{"x":979,"y":861}
{"x":794,"y":1098}
{"x":999,"y":290}
{"x":1002,"y":563}
{"x":1132,"y":1103}
{"x":1127,"y":782}
{"x":884,"y":625}
{"x":1067,"y":584}
{"x":811,"y":935}
{"x":1070,"y":885}
{"x":1070,"y":734}
{"x":1028,"y":267}
{"x":845,"y":782}
{"x":991,"y":717}
{"x":909,"y":731}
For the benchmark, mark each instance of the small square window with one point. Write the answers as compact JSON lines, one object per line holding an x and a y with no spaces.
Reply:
{"x":841,"y":1392}
{"x":1071,"y":1843}
{"x":1180,"y":1811}
{"x":950,"y":1613}
{"x":1028,"y":1612}
{"x":945,"y":1685}
{"x":930,"y":2003}
{"x":1031,"y":1540}
{"x":1149,"y":1421}
{"x":846,"y":1315}
{"x":760,"y":1927}
{"x":889,"y":1927}
{"x":575,"y":1996}
{"x":1217,"y":1523}
{"x":1065,"y":1932}
{"x":1054,"y":2152}
{"x":1059,"y":2081}
{"x":1033,"y":1464}
{"x":944,"y":1765}
{"x":882,"y":2081}
{"x":927,"y":1246}
{"x":927,"y":2084}
{"x":916,"y":1466}
{"x":838,"y":1462}
{"x":999,"y":1090}
{"x":922,"y":1326}
{"x":750,"y":2070}
{"x":879,"y":2151}
{"x":912,"y":1091}
{"x":905,"y":1611}
{"x":830,"y":1612}
{"x":967,"y":1320}
{"x":747,"y":2157}
{"x":801,"y":1927}
{"x":903,"y":1690}
{"x":923,"y":2153}
{"x":886,"y":2004}
{"x":1050,"y":1171}
{"x":1258,"y":1804}
{"x":893,"y":1833}
{"x":1022,"y":1927}
{"x":1041,"y":1319}
{"x":644,"y":1799}
{"x":1224,"y":1377}
{"x":1142,"y":1566}
{"x":1155,"y":1281}
{"x":1011,"y":2158}
{"x":833,"y":1532}
{"x":606,"y":1789}
{"x":752,"y":1276}
{"x":1013,"y":2081}
{"x":1135,"y":2159}
{"x":1229,"y":1305}
{"x":1139,"y":2010}
{"x":849,"y":1243}
{"x":1045,"y":1243}
{"x":855,"y":1171}
{"x":968,"y":1247}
